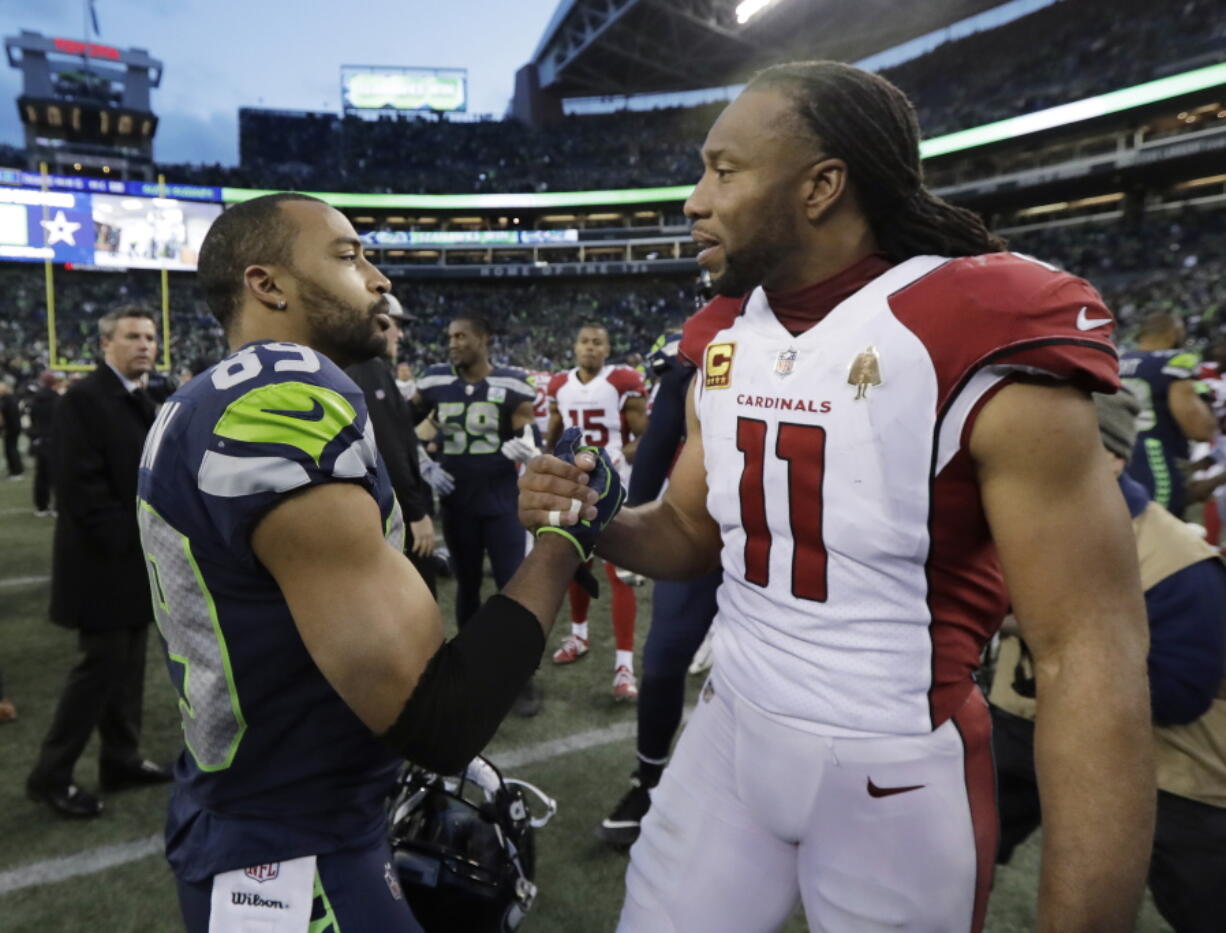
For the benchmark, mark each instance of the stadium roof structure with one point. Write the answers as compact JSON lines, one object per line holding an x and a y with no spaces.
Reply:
{"x":614,"y":47}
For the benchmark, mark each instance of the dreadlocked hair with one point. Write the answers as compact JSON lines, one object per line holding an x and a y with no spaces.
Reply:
{"x":870,"y":124}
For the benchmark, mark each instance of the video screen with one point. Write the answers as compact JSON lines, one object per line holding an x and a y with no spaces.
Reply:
{"x":382,"y":88}
{"x":150,"y":233}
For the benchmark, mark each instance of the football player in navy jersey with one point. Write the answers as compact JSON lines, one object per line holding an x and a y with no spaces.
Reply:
{"x":482,"y":412}
{"x":306,"y":651}
{"x":1163,"y":378}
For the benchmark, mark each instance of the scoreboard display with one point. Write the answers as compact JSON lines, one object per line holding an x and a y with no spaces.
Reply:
{"x":87,"y":122}
{"x":377,"y":87}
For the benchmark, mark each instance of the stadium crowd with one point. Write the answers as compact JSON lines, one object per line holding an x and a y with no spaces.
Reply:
{"x":1167,"y":262}
{"x":1090,"y":47}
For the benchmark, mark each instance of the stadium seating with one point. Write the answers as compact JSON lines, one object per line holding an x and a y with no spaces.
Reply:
{"x":1060,"y":53}
{"x":1169,"y":261}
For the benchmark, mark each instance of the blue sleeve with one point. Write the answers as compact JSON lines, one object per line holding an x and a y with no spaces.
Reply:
{"x":279,"y":433}
{"x":1187,"y":652}
{"x":665,"y":431}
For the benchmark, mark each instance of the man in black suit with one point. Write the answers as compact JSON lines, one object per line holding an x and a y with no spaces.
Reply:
{"x":42,"y":420}
{"x":99,"y":585}
{"x":394,"y":435}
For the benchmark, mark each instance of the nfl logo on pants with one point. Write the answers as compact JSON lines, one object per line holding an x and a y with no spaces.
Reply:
{"x":262,"y":873}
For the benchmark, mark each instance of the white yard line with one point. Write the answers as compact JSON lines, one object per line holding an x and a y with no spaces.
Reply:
{"x":23,"y":581}
{"x":526,"y":755}
{"x":74,"y":866}
{"x":92,"y":861}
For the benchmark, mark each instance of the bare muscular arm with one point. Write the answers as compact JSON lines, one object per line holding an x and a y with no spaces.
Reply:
{"x":675,"y":537}
{"x":635,"y":413}
{"x":1069,"y":557}
{"x":1190,"y":412}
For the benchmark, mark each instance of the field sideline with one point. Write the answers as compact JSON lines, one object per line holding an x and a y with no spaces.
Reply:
{"x":579,"y":751}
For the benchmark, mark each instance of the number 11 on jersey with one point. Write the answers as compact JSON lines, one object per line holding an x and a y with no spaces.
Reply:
{"x":803,"y":447}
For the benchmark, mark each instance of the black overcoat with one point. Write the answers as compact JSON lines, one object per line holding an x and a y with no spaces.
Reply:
{"x":98,"y":577}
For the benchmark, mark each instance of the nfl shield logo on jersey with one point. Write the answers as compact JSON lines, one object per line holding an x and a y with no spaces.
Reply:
{"x":262,"y":873}
{"x":785,"y":363}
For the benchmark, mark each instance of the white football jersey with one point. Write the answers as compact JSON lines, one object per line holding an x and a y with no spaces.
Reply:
{"x":860,"y":580}
{"x":596,"y":405}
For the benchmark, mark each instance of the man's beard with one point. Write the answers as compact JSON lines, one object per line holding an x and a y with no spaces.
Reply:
{"x":343,"y":332}
{"x":746,"y":270}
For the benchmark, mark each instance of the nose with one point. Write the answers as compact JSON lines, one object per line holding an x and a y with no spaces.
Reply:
{"x":380,"y":284}
{"x":695,"y":206}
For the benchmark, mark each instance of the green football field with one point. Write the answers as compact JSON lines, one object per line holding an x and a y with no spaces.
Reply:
{"x":108,"y":874}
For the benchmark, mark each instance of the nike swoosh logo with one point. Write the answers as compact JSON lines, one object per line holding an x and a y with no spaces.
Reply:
{"x":314,"y":413}
{"x":1089,"y":323}
{"x":875,"y":791}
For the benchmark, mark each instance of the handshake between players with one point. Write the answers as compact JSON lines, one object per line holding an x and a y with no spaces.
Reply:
{"x":575,"y":493}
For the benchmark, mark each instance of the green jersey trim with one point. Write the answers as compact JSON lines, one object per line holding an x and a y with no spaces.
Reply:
{"x":211,"y":653}
{"x":298,"y":414}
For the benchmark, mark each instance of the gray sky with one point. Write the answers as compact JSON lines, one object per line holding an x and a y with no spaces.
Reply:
{"x":220,"y":55}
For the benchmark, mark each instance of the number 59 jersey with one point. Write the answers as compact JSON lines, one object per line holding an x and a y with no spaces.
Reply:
{"x":860,"y":579}
{"x":474,"y":419}
{"x":276,"y":765}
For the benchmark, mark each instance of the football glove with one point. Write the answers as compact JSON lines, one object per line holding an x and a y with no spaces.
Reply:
{"x":439,"y":479}
{"x":604,"y":479}
{"x":521,"y":449}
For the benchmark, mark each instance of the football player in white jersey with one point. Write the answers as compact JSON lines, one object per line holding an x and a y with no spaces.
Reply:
{"x":610,"y":404}
{"x":889,"y":422}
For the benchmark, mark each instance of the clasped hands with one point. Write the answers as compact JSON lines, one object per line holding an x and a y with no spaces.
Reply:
{"x":575,"y":493}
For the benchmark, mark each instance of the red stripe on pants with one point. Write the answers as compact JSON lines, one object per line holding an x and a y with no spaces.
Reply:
{"x":974,"y":725}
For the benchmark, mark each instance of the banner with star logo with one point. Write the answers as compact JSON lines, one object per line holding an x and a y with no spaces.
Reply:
{"x":46,"y":225}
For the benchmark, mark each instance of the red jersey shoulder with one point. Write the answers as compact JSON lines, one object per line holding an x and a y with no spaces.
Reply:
{"x":1010,"y":310}
{"x":627,"y":381}
{"x":556,"y":381}
{"x":704,"y":324}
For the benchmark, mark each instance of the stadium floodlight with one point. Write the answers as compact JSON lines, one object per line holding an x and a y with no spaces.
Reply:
{"x":748,"y":9}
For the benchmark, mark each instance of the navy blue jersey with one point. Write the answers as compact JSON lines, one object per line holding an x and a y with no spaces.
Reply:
{"x":276,"y":765}
{"x":475,"y":418}
{"x":1161,"y":443}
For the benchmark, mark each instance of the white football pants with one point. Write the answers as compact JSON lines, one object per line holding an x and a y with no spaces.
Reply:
{"x":892,"y":833}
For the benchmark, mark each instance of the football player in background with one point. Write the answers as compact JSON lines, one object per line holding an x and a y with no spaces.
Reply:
{"x":890,"y":422}
{"x":609,"y":404}
{"x":681,"y":610}
{"x":307,"y":653}
{"x":1163,"y":378}
{"x":479,"y":408}
{"x":1209,"y":483}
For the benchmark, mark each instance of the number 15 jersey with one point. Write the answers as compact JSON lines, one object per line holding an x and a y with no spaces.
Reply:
{"x":860,"y":579}
{"x":276,"y":766}
{"x":597,"y":406}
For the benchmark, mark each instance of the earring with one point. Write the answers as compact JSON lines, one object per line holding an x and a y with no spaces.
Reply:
{"x":280,"y":305}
